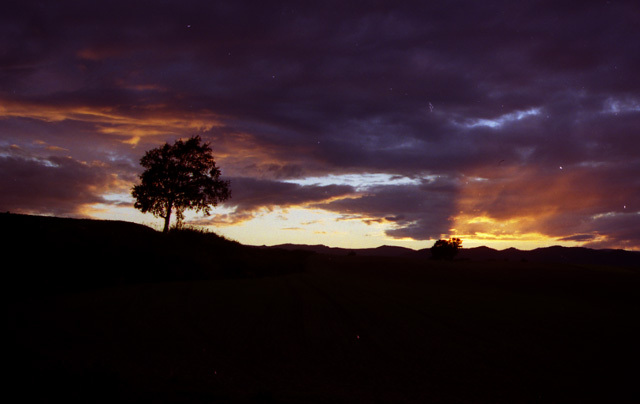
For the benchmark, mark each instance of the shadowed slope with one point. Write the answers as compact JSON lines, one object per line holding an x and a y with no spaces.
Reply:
{"x":58,"y":254}
{"x":338,"y":329}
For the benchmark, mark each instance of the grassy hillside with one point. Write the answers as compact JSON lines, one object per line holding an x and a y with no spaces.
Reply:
{"x":58,"y":254}
{"x":340,"y":329}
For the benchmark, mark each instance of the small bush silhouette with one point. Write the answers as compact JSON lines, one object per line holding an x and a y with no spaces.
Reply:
{"x":446,"y":249}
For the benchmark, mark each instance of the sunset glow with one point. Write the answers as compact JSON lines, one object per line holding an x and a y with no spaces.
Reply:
{"x":391,"y":125}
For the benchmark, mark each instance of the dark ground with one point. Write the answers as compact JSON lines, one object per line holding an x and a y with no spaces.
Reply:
{"x":341,"y":330}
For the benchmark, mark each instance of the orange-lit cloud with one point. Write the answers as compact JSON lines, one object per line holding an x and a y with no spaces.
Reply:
{"x":410,"y":118}
{"x":563,"y":203}
{"x":151,"y":121}
{"x":54,"y":185}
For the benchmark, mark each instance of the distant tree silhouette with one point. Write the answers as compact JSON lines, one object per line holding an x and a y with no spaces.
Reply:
{"x":179,"y":176}
{"x":446,"y":249}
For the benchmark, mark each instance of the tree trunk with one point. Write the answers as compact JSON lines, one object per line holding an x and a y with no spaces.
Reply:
{"x":167,"y":218}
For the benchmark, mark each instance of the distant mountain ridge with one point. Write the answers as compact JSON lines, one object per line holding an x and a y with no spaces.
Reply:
{"x":554,"y":254}
{"x":382,"y":251}
{"x":115,"y":246}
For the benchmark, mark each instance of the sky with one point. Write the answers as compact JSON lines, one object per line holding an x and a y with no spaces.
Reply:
{"x":346,"y":123}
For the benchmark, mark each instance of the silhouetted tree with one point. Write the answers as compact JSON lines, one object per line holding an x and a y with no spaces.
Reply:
{"x":179,"y":176}
{"x":446,"y":249}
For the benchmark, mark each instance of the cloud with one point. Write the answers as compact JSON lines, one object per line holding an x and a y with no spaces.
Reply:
{"x":53,"y":185}
{"x":617,"y":230}
{"x":498,"y":95}
{"x":250,"y":194}
{"x":573,"y":203}
{"x":420,"y":212}
{"x":579,"y":237}
{"x":252,"y":197}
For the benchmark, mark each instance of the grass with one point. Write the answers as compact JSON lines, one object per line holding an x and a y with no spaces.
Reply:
{"x":338,"y":329}
{"x":61,"y":255}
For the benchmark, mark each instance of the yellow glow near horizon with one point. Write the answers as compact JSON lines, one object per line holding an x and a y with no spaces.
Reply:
{"x":527,"y":241}
{"x":309,"y":226}
{"x":278,"y":226}
{"x":484,"y":230}
{"x":314,"y":226}
{"x":303,"y":225}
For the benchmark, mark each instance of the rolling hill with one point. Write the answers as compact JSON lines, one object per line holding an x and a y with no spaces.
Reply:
{"x":193,"y":318}
{"x":556,"y":254}
{"x":53,"y":254}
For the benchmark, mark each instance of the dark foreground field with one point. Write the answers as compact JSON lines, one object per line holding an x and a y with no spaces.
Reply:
{"x":340,"y":329}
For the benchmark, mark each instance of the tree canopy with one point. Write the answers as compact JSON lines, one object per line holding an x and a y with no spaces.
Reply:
{"x":182,"y":176}
{"x":446,"y":249}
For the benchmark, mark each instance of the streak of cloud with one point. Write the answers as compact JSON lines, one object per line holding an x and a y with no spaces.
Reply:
{"x":490,"y":99}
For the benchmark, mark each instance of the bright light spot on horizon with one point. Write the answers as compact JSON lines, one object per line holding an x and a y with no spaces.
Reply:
{"x":304,"y":225}
{"x":315,"y":226}
{"x":485,"y":230}
{"x":312,"y":226}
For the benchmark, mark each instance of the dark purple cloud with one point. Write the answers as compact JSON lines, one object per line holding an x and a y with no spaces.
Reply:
{"x":492,"y":98}
{"x":52,"y":185}
{"x":620,"y":230}
{"x":420,"y":212}
{"x":252,"y":194}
